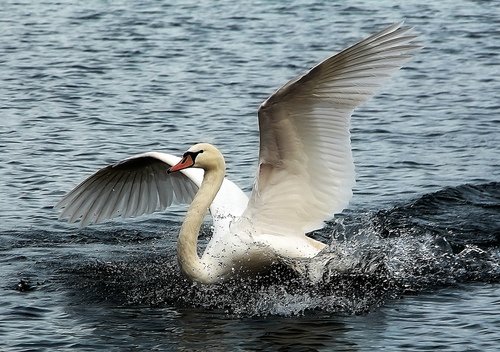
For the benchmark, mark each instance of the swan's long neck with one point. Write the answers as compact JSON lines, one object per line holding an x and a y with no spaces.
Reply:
{"x":189,"y":261}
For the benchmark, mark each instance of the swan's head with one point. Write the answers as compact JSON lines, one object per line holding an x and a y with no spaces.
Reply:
{"x":202,"y":155}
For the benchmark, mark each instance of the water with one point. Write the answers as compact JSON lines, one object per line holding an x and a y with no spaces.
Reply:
{"x":418,"y":248}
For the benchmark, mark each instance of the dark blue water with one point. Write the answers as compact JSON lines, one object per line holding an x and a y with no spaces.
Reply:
{"x":417,"y":252}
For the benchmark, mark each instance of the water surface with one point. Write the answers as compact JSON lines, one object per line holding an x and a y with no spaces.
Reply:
{"x":86,"y":84}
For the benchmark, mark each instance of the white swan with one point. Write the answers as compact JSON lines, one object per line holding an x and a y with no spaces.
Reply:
{"x":305,"y":171}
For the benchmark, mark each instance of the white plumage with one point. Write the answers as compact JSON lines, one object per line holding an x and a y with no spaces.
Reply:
{"x":305,"y":173}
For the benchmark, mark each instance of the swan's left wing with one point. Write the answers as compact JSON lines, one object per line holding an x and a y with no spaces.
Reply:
{"x":306,"y":170}
{"x":140,"y":185}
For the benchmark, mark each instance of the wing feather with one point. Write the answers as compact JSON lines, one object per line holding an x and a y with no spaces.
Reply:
{"x":95,"y":201}
{"x":306,"y":170}
{"x":140,"y":185}
{"x":112,"y":199}
{"x":152,"y":193}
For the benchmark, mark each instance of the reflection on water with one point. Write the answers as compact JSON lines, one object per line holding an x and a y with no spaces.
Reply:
{"x":201,"y":330}
{"x":401,"y":324}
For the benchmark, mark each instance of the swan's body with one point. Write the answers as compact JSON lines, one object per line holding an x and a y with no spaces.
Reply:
{"x":305,"y":173}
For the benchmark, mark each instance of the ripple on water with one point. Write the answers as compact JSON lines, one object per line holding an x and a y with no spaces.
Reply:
{"x":89,"y":83}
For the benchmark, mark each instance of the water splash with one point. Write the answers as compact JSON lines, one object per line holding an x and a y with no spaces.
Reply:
{"x":372,"y":257}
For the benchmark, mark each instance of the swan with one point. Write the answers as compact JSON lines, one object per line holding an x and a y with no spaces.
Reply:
{"x":305,"y":171}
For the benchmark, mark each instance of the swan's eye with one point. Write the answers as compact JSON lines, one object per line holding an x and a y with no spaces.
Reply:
{"x":193,"y":155}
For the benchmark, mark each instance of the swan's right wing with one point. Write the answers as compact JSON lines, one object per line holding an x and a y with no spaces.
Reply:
{"x":140,"y":185}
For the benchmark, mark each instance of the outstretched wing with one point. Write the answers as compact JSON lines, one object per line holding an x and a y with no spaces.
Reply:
{"x":306,"y":170}
{"x":140,"y":185}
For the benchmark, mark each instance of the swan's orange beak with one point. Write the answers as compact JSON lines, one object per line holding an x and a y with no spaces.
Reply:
{"x":186,"y":161}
